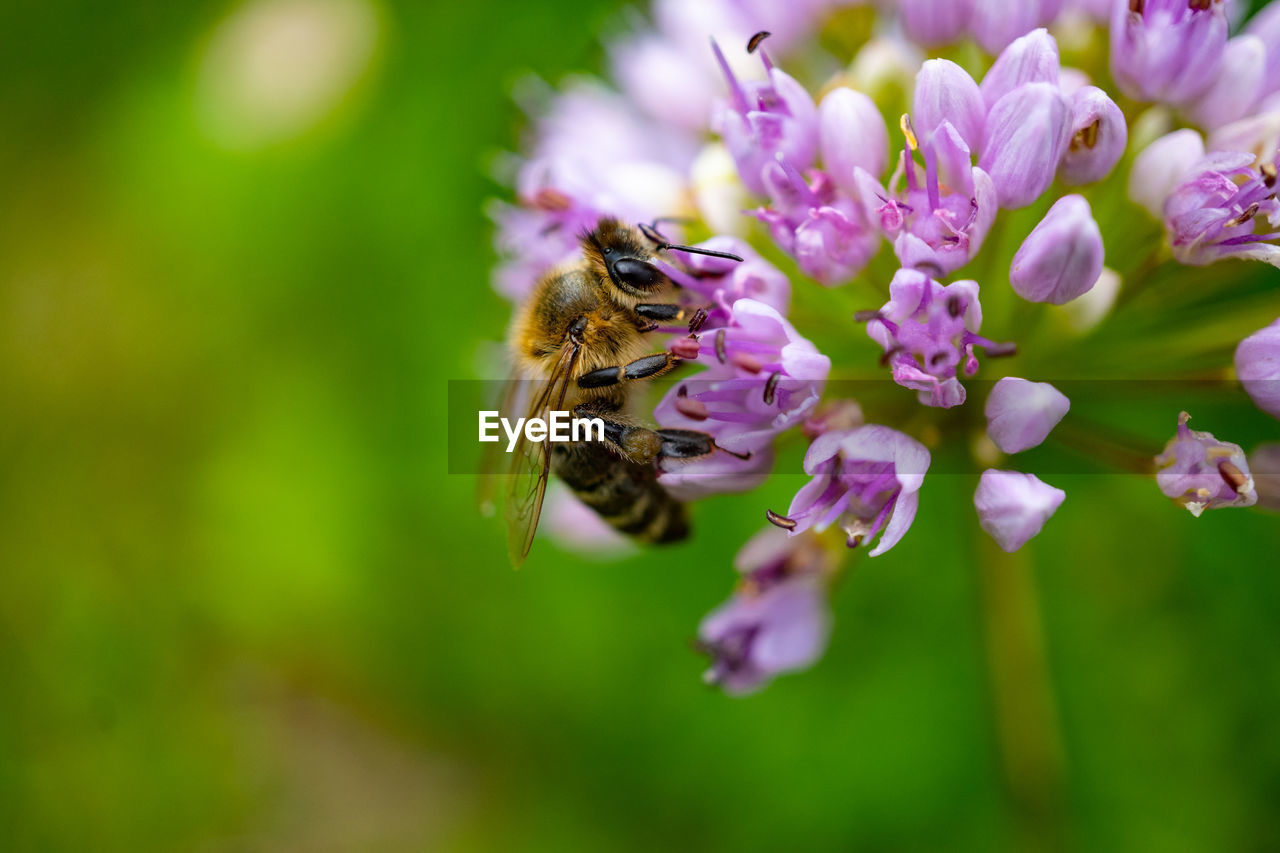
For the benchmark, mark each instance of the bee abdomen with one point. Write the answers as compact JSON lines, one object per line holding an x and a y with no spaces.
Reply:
{"x":625,"y":495}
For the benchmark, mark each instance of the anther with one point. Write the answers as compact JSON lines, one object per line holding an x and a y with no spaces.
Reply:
{"x":1248,"y":214}
{"x":1268,"y":171}
{"x":747,"y":362}
{"x":904,"y":124}
{"x":1001,"y":350}
{"x":698,"y":321}
{"x":1232,"y":476}
{"x":755,"y":40}
{"x":780,"y":520}
{"x":720,"y":353}
{"x":770,"y":387}
{"x":866,"y":316}
{"x":954,"y":308}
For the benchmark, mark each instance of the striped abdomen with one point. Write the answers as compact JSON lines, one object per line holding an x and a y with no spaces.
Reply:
{"x":626,"y":495}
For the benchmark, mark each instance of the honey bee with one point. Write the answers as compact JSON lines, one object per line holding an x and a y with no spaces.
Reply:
{"x":580,"y":338}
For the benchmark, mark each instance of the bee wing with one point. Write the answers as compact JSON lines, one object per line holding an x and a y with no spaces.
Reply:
{"x":531,"y":467}
{"x":513,"y":398}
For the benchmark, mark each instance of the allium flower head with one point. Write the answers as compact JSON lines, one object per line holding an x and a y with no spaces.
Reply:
{"x":1006,"y":161}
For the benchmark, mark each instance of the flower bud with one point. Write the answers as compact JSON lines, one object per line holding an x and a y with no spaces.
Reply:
{"x":851,"y":134}
{"x":1166,"y":50}
{"x":1099,"y":135}
{"x":1021,"y":414}
{"x":935,"y":22}
{"x":1258,"y":367}
{"x":945,"y":92}
{"x":1033,"y":58}
{"x":1027,"y":133}
{"x":996,"y":23}
{"x":1061,"y":257}
{"x":1161,"y":167}
{"x":1013,"y":507}
{"x":1266,"y":26}
{"x":1237,"y":86}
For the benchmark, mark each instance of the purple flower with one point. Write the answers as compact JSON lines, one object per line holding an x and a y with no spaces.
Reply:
{"x":1028,"y":131}
{"x":1033,"y":58}
{"x":1167,"y":50}
{"x":1062,"y":257}
{"x":938,"y":220}
{"x":1218,"y":209}
{"x":928,"y":331}
{"x":1237,"y":86}
{"x":945,"y":92}
{"x":1258,"y":367}
{"x":1013,"y":507}
{"x":934,"y":22}
{"x":1098,"y":137}
{"x":997,"y":23}
{"x":1200,"y":472}
{"x":826,"y":232}
{"x":1266,"y":26}
{"x":1021,"y":414}
{"x":1161,"y":168}
{"x":765,"y":121}
{"x":763,"y":378}
{"x":851,"y":135}
{"x":766,"y":628}
{"x":865,"y":480}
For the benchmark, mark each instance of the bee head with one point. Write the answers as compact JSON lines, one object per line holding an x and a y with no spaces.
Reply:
{"x":618,"y":253}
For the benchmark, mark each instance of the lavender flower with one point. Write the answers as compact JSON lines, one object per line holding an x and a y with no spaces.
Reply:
{"x":945,"y":92}
{"x":1032,"y":58}
{"x":777,"y":621}
{"x":1216,"y":212}
{"x":1258,"y":367}
{"x":763,"y":378}
{"x":938,"y":220}
{"x":928,"y":331}
{"x":765,"y":121}
{"x":935,"y":22}
{"x":1028,"y":132}
{"x":1098,"y":137}
{"x":1021,"y":414}
{"x":1062,"y":257}
{"x":1013,"y":507}
{"x":865,"y":480}
{"x":1200,"y":472}
{"x":1237,"y":86}
{"x":1167,"y":50}
{"x":1161,"y":168}
{"x":851,"y":136}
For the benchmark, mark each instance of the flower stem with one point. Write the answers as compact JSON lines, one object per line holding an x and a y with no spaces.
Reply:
{"x":1026,"y":721}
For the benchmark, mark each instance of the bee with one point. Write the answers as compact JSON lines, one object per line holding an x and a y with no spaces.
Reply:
{"x":580,"y":338}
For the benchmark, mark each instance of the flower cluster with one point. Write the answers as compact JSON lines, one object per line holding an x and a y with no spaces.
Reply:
{"x":888,"y":175}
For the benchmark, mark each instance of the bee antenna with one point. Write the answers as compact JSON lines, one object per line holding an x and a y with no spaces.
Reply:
{"x":696,"y":251}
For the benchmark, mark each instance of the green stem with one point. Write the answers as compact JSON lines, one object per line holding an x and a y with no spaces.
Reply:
{"x":1026,"y":720}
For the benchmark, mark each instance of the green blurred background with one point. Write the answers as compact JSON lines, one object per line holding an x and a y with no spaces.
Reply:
{"x":244,"y":606}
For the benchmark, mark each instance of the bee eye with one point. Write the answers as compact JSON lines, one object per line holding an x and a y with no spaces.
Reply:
{"x":638,"y":274}
{"x":608,"y":250}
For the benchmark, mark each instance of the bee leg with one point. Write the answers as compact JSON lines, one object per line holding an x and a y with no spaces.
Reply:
{"x":661,"y":311}
{"x":641,"y":368}
{"x":643,"y":445}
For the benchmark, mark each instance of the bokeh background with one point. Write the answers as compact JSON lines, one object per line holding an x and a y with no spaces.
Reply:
{"x":245,"y":607}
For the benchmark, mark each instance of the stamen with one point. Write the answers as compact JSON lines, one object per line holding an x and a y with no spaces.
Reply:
{"x":866,"y":316}
{"x":755,"y":40}
{"x":720,"y":353}
{"x":735,"y":88}
{"x":686,"y":348}
{"x":904,"y":124}
{"x":1268,"y":171}
{"x":1088,"y":136}
{"x":1248,"y":214}
{"x":780,"y":520}
{"x":552,"y":200}
{"x":954,"y":308}
{"x":1001,"y":350}
{"x":770,"y":387}
{"x":1233,"y":476}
